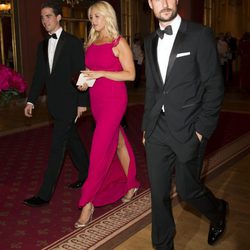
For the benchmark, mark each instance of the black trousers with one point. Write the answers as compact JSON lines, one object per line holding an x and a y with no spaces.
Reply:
{"x":164,"y":160}
{"x":65,"y":136}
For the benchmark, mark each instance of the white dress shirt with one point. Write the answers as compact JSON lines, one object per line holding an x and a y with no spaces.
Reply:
{"x":51,"y":50}
{"x":165,"y":46}
{"x":164,"y":49}
{"x":52,"y":47}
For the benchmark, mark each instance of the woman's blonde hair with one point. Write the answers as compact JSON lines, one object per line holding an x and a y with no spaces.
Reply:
{"x":106,"y":10}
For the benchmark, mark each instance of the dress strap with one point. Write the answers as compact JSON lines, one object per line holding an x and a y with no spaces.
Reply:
{"x":116,"y":41}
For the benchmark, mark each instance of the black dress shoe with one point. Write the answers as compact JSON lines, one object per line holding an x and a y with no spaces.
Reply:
{"x":35,"y":201}
{"x":77,"y":184}
{"x":217,"y":229}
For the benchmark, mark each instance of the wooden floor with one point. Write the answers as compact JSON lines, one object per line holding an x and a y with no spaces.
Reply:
{"x":233,"y":184}
{"x":192,"y":229}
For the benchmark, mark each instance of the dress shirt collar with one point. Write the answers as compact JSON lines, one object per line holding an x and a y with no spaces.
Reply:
{"x":58,"y":32}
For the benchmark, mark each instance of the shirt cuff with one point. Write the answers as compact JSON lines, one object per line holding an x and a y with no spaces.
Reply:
{"x":31,"y":104}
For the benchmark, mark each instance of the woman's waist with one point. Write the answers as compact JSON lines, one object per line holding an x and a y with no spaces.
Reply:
{"x":109,"y":88}
{"x":105,"y":82}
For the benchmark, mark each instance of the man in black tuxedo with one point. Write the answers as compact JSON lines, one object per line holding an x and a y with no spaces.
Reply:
{"x":184,"y":93}
{"x":59,"y":58}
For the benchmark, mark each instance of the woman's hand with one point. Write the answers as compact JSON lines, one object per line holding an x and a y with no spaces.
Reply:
{"x":91,"y":74}
{"x":83,"y":87}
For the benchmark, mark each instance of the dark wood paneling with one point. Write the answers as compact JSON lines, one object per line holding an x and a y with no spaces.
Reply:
{"x":192,"y":10}
{"x":197,"y":10}
{"x":185,"y":9}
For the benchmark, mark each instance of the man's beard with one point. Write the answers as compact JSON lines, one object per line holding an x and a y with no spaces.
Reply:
{"x":173,"y":15}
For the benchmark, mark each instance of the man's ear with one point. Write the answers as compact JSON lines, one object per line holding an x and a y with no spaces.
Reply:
{"x":59,"y":18}
{"x":150,"y":4}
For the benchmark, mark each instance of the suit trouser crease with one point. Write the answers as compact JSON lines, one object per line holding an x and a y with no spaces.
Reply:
{"x":78,"y":153}
{"x":162,"y":157}
{"x":64,"y":136}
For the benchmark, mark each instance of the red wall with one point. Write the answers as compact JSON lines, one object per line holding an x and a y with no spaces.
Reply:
{"x":31,"y":34}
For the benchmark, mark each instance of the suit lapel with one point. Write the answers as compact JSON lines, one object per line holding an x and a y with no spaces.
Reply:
{"x":58,"y":49}
{"x":155,"y":60}
{"x":178,"y":40}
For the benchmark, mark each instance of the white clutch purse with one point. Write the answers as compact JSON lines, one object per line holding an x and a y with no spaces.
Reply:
{"x":82,"y":79}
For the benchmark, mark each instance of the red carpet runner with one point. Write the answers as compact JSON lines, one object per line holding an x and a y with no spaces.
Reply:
{"x":23,"y":159}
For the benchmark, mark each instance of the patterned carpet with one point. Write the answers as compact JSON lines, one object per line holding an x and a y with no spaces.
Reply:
{"x":23,"y":161}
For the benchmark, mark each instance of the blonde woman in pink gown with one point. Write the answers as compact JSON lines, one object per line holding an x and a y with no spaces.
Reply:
{"x":112,"y":169}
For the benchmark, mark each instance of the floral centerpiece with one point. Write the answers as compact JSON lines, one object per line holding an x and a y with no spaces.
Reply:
{"x":11,"y":84}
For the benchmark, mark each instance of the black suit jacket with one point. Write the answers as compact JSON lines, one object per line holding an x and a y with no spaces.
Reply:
{"x":63,"y":98}
{"x":193,"y":91}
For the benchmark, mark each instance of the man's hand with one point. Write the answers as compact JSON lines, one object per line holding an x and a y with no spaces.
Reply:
{"x":28,"y":110}
{"x":199,"y":136}
{"x":143,"y":138}
{"x":80,"y":111}
{"x":83,"y":87}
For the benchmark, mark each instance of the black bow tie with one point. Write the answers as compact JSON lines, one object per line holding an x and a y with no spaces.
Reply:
{"x":52,"y":36}
{"x":168,"y":30}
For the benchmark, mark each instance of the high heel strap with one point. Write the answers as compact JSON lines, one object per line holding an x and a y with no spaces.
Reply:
{"x":78,"y":224}
{"x":126,"y":199}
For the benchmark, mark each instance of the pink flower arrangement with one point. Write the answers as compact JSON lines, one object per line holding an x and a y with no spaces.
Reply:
{"x":11,"y":83}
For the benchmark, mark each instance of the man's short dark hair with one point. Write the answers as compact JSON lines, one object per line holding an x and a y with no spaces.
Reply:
{"x":53,"y":4}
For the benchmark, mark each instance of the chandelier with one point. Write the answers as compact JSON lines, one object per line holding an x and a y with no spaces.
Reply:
{"x":5,"y":6}
{"x":72,"y":2}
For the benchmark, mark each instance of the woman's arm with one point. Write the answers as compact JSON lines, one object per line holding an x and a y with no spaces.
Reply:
{"x":124,"y":53}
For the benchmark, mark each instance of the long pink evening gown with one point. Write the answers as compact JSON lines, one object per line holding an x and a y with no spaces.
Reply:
{"x":107,"y":182}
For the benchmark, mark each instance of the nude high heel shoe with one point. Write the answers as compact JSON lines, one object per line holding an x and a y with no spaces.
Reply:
{"x":79,"y":224}
{"x":130,"y":195}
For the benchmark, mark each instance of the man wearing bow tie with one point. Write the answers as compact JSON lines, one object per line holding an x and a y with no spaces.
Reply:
{"x":184,"y":94}
{"x":59,"y":57}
